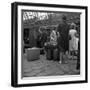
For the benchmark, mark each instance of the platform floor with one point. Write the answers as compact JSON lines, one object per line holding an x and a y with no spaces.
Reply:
{"x":44,"y":67}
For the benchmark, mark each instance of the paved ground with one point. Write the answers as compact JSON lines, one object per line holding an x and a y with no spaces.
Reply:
{"x":43,"y":67}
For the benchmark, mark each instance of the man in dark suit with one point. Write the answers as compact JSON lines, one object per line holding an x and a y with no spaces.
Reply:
{"x":63,"y":29}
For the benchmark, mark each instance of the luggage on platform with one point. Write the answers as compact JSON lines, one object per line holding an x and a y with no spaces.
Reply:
{"x":49,"y":54}
{"x":56,"y":55}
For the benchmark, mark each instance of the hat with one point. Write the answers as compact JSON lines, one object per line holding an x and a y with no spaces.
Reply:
{"x":73,"y":24}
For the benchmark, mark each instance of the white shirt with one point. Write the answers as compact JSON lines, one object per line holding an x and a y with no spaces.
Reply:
{"x":73,"y":43}
{"x":72,"y":32}
{"x":53,"y":37}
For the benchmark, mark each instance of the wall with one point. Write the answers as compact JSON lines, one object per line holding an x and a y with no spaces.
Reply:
{"x":5,"y":46}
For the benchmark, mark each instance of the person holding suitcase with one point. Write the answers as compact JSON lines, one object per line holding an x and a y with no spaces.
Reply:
{"x":54,"y":44}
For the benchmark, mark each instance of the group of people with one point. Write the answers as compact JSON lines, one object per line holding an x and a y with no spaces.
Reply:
{"x":62,"y":40}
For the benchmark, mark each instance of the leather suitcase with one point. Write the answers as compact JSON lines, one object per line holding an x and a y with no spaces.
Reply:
{"x":56,"y":55}
{"x":49,"y":54}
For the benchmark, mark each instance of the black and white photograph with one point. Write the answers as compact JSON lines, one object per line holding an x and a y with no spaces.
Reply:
{"x":50,"y":43}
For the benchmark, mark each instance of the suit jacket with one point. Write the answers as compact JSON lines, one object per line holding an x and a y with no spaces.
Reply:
{"x":63,"y":29}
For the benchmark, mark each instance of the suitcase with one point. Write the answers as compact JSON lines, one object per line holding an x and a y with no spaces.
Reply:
{"x":33,"y":54}
{"x":49,"y":54}
{"x":56,"y":55}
